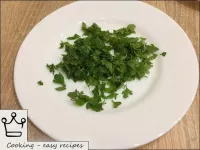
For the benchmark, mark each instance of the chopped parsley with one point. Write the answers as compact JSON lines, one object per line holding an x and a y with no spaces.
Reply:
{"x":76,"y":36}
{"x":51,"y":68}
{"x":163,"y":53}
{"x":105,"y":61}
{"x":40,"y":83}
{"x":116,"y":104}
{"x":126,"y":92}
{"x":59,"y":79}
{"x":61,"y":88}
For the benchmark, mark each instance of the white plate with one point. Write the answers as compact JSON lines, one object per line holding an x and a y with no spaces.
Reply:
{"x":158,"y":102}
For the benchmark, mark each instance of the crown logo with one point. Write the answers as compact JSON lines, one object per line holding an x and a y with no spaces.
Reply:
{"x":13,"y":128}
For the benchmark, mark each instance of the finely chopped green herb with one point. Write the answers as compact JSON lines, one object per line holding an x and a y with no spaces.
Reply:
{"x":59,"y":79}
{"x":105,"y":61}
{"x":116,"y":104}
{"x":40,"y":83}
{"x":163,"y":53}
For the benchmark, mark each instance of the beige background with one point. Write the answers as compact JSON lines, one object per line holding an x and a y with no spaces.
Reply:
{"x":18,"y":18}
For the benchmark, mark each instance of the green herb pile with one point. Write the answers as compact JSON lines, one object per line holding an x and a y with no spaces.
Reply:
{"x":105,"y":61}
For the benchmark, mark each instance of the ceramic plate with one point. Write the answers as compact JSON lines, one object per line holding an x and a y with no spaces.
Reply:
{"x":158,"y":102}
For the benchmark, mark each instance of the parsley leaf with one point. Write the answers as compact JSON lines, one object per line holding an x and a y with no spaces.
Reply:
{"x":84,"y":27}
{"x":40,"y":83}
{"x":59,"y":79}
{"x":116,"y":104}
{"x":110,"y":96}
{"x":51,"y":68}
{"x":97,"y":107}
{"x":126,"y":92}
{"x":62,"y":44}
{"x":80,"y":102}
{"x":110,"y":89}
{"x":61,"y":88}
{"x":163,"y":53}
{"x":108,"y":65}
{"x":131,"y":27}
{"x":73,"y":95}
{"x":125,"y":31}
{"x":76,"y":36}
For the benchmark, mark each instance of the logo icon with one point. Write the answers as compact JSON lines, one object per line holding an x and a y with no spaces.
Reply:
{"x":13,"y":128}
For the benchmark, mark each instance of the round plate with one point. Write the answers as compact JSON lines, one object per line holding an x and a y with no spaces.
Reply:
{"x":158,"y":102}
